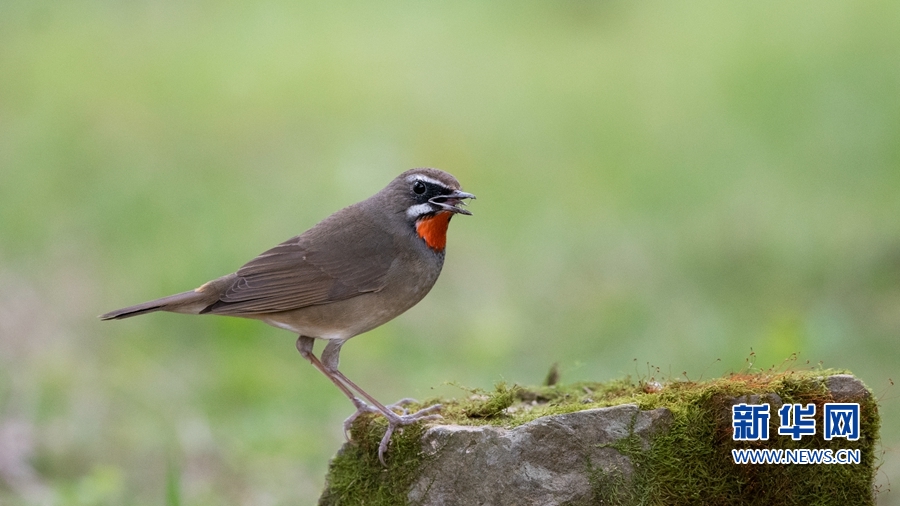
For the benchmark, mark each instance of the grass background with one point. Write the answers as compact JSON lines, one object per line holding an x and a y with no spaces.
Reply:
{"x":684,"y":185}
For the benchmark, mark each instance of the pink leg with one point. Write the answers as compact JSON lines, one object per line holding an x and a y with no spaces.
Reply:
{"x":328,"y":365}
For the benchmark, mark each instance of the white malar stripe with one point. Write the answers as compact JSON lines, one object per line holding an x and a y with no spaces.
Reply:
{"x":418,"y":210}
{"x":426,"y":179}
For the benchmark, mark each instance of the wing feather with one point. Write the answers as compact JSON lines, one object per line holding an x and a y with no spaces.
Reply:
{"x":327,"y":263}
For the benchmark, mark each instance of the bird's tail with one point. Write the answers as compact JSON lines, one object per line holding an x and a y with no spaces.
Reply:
{"x":187,"y":302}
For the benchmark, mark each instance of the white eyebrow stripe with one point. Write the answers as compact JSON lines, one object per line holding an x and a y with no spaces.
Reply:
{"x":418,"y":210}
{"x":426,"y":179}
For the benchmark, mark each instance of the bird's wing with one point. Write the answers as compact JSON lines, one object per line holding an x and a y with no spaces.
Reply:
{"x":325,"y":264}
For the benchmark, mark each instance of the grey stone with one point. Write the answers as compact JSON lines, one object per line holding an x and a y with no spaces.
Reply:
{"x":846,"y":388}
{"x":550,"y":460}
{"x":574,"y":458}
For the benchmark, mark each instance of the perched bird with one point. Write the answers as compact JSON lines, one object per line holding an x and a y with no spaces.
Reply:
{"x":355,"y":270}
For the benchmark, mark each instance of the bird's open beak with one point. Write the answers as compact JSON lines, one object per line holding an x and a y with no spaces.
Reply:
{"x":452,"y":201}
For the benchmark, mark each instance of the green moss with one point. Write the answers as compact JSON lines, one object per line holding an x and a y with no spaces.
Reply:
{"x":355,"y":475}
{"x":689,"y":463}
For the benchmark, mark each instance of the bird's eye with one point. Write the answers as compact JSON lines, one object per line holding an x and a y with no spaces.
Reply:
{"x":419,"y":187}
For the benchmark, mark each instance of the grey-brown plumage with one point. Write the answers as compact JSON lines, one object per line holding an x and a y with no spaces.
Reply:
{"x":353,"y":271}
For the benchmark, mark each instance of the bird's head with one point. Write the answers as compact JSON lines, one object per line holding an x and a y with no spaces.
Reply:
{"x":427,"y":199}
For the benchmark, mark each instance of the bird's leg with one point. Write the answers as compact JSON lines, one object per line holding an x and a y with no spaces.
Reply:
{"x":305,"y":347}
{"x":330,"y":359}
{"x":388,"y":410}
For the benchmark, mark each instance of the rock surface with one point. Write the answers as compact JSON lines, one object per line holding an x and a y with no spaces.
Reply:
{"x":846,"y":388}
{"x":605,"y":456}
{"x":547,"y":461}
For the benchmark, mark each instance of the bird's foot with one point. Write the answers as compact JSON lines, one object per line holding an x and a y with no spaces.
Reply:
{"x":361,"y":409}
{"x":399,"y":421}
{"x":401,"y":405}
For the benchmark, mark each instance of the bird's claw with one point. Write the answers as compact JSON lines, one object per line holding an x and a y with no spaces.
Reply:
{"x":394,"y":420}
{"x":401,"y":405}
{"x":399,"y":421}
{"x":361,"y":409}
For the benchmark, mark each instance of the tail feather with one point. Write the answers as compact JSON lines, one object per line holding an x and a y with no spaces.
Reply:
{"x":186,"y":302}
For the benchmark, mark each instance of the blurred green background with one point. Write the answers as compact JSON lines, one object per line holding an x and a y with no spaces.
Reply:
{"x":682,"y":184}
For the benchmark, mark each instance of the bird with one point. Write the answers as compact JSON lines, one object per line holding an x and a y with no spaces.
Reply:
{"x":354,"y":271}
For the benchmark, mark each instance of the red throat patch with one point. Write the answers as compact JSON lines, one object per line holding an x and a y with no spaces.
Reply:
{"x":433,"y":229}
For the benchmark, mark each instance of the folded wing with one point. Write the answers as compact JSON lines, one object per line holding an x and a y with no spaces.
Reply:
{"x":323,"y":265}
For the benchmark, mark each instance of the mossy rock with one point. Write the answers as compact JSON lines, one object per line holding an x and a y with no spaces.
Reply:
{"x":624,"y":442}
